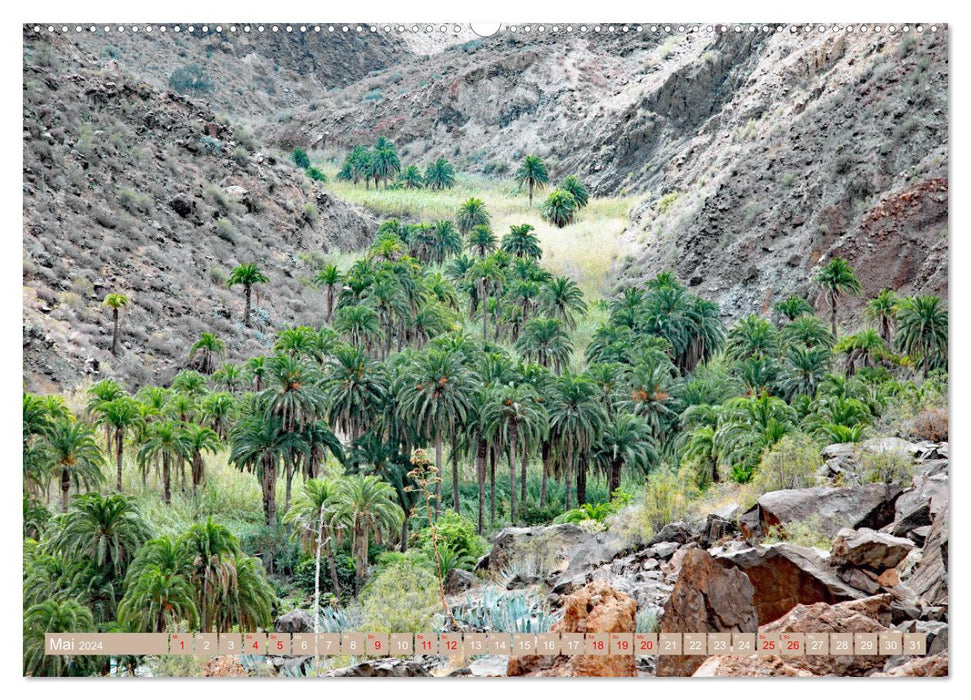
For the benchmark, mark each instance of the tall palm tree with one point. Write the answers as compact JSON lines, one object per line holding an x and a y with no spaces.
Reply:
{"x":514,"y":416}
{"x":471,"y":213}
{"x":105,"y":530}
{"x":200,"y":439}
{"x":882,"y":310}
{"x":205,"y":351}
{"x":358,"y":325}
{"x":752,"y":337}
{"x":313,"y":518}
{"x":482,"y":241}
{"x":522,"y":242}
{"x":803,"y":370}
{"x":247,"y":275}
{"x":166,"y":441}
{"x":533,"y":174}
{"x":72,"y":453}
{"x":218,"y":411}
{"x":292,"y":393}
{"x":123,"y":416}
{"x":862,"y":349}
{"x":329,"y":279}
{"x":922,"y":331}
{"x":580,"y":192}
{"x":440,"y":175}
{"x":115,"y":302}
{"x":411,"y":178}
{"x":446,"y":241}
{"x":837,"y":279}
{"x":366,"y":506}
{"x":52,"y":616}
{"x":256,"y":369}
{"x":258,"y":443}
{"x":354,"y":389}
{"x":792,"y":307}
{"x":560,"y":208}
{"x":577,"y":421}
{"x":562,"y":299}
{"x":627,"y":441}
{"x":544,"y":341}
{"x":385,"y":163}
{"x":437,"y":390}
{"x":489,"y":279}
{"x":229,"y":376}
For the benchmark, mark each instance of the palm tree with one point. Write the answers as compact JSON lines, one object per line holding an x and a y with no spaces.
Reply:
{"x":200,"y":439}
{"x":410,"y":178}
{"x":532,"y":173}
{"x":358,"y":325}
{"x":471,"y":213}
{"x":514,"y":416}
{"x":522,"y":242}
{"x":115,"y":302}
{"x":72,"y":452}
{"x":256,"y":369}
{"x":559,"y":208}
{"x":545,"y":341}
{"x":229,"y":376}
{"x":440,"y":175}
{"x":437,"y":390}
{"x":218,"y":410}
{"x":247,"y":275}
{"x":922,"y":331}
{"x":747,"y":428}
{"x":166,"y":440}
{"x":205,"y":351}
{"x":385,"y":163}
{"x":809,"y":331}
{"x":51,"y":617}
{"x":156,"y":599}
{"x":190,"y":382}
{"x":330,"y":279}
{"x":562,"y":299}
{"x":882,"y":310}
{"x":862,"y":349}
{"x":122,"y":415}
{"x":580,"y":192}
{"x":792,"y":307}
{"x":105,"y":530}
{"x":292,"y":393}
{"x":804,"y":370}
{"x":489,"y":278}
{"x":482,"y":241}
{"x":365,"y":505}
{"x":577,"y":421}
{"x":752,"y":337}
{"x":257,"y":443}
{"x":837,"y":279}
{"x":313,"y":517}
{"x":627,"y":441}
{"x":354,"y":390}
{"x":446,"y":241}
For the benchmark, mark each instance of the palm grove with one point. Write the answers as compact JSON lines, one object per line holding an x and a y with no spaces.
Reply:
{"x":444,"y":338}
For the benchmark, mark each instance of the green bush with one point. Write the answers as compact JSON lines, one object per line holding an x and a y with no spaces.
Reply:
{"x":300,"y":158}
{"x":316,"y":174}
{"x":191,"y":78}
{"x":532,"y":514}
{"x":402,"y":598}
{"x":455,"y":532}
{"x":790,"y":464}
{"x":303,"y":575}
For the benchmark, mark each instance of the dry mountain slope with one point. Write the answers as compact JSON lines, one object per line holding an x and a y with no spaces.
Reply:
{"x":129,"y":189}
{"x":756,"y":153}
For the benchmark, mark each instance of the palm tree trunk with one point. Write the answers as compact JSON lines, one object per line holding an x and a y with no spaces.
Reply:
{"x":269,"y":489}
{"x":65,"y":487}
{"x":492,"y":485}
{"x":290,"y":470}
{"x":455,"y":472}
{"x":522,"y":476}
{"x":615,"y":468}
{"x":404,"y":531}
{"x":512,"y":473}
{"x":114,"y":337}
{"x":166,"y":480}
{"x":530,"y":193}
{"x":330,"y":303}
{"x":248,"y":291}
{"x":332,"y":565}
{"x":581,"y":484}
{"x":569,"y":475}
{"x":438,"y":468}
{"x":119,"y":450}
{"x":480,"y":474}
{"x":197,"y":469}
{"x":546,"y":453}
{"x":832,"y":306}
{"x":485,"y":315}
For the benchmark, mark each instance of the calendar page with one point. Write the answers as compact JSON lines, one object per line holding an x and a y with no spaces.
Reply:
{"x":468,"y":351}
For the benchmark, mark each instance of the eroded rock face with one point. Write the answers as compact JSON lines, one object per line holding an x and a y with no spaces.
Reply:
{"x":866,"y":547}
{"x":827,"y":508}
{"x":929,"y":580}
{"x":786,"y":575}
{"x":383,"y":668}
{"x":594,"y":608}
{"x":707,"y":597}
{"x":865,"y":615}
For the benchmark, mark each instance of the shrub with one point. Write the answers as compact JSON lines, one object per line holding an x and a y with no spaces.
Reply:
{"x":402,"y":598}
{"x":374,"y":95}
{"x":790,"y":464}
{"x":885,"y":466}
{"x":666,"y":202}
{"x":455,"y":532}
{"x":532,"y":514}
{"x":316,"y":174}
{"x":135,"y":203}
{"x":191,"y":78}
{"x":305,"y":570}
{"x":226,"y":230}
{"x":300,"y":158}
{"x":668,"y":496}
{"x":310,"y":213}
{"x":804,"y":533}
{"x":930,"y":425}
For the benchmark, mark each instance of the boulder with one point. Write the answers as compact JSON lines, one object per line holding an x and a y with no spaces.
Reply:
{"x":926,"y":491}
{"x":548,"y":552}
{"x":929,"y":580}
{"x":294,"y":622}
{"x":677,"y":532}
{"x":459,"y":580}
{"x":868,"y":548}
{"x":918,"y":667}
{"x":716,"y":530}
{"x":827,"y":508}
{"x":383,"y":668}
{"x":786,"y":575}
{"x":707,"y":597}
{"x":594,"y":608}
{"x":865,"y":615}
{"x":224,"y":667}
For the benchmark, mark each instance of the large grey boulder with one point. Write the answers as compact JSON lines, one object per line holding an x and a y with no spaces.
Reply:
{"x":868,"y":548}
{"x":929,"y":580}
{"x":294,"y":622}
{"x":826,"y":508}
{"x":383,"y":668}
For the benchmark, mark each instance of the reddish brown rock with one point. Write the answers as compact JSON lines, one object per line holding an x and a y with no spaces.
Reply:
{"x":594,"y":608}
{"x":865,"y":615}
{"x":920,"y":667}
{"x":224,"y":667}
{"x":868,"y":548}
{"x":707,"y":597}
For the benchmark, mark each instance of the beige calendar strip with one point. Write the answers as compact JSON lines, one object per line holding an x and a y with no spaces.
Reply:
{"x":475,"y":644}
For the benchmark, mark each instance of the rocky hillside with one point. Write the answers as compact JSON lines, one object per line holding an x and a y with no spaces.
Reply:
{"x":757,"y":154}
{"x":140,"y":191}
